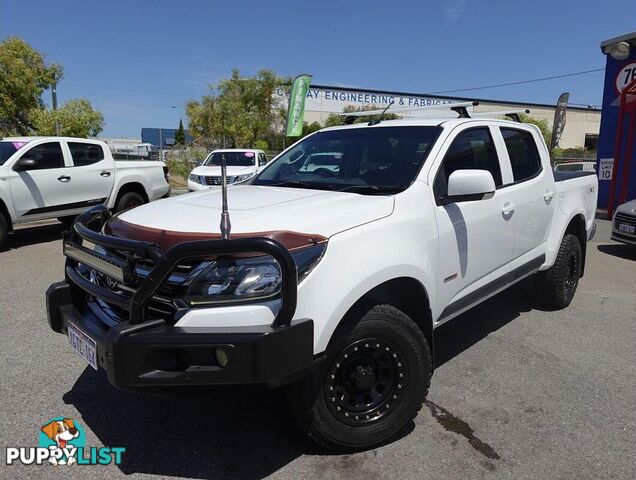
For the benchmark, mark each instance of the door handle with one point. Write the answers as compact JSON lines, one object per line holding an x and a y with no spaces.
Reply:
{"x":508,"y":209}
{"x":105,"y":173}
{"x":64,"y":178}
{"x":547,"y":196}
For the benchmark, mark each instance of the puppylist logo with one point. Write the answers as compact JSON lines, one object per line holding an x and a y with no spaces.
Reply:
{"x":62,"y":442}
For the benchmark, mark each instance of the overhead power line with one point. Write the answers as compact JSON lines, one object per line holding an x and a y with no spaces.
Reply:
{"x":543,"y":79}
{"x":130,"y":90}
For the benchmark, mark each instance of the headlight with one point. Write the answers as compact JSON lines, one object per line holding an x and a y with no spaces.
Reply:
{"x":240,"y":279}
{"x":197,"y":179}
{"x":242,"y":178}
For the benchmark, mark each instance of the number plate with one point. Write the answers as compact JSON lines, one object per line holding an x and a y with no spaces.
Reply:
{"x":83,"y":345}
{"x":627,"y":228}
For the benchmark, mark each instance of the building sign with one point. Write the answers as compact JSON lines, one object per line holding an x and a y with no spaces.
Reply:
{"x":332,"y":100}
{"x":605,"y":168}
{"x":625,"y":76}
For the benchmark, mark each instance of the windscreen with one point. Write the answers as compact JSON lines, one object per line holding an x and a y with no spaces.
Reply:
{"x":232,"y":159}
{"x":8,"y":148}
{"x":364,"y":160}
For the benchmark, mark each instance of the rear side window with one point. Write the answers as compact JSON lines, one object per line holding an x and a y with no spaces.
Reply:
{"x":523,"y":153}
{"x":85,"y":153}
{"x":46,"y":155}
{"x":471,"y":149}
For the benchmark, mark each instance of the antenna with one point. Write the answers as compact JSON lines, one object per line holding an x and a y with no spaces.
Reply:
{"x":226,"y":226}
{"x":378,"y":120}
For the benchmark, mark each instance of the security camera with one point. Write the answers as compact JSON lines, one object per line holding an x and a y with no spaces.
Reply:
{"x":619,"y":51}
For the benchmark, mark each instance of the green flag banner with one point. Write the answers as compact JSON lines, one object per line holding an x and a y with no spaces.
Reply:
{"x":296,"y":109}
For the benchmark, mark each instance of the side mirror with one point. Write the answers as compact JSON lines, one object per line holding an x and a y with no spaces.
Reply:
{"x":24,"y":164}
{"x":466,"y":185}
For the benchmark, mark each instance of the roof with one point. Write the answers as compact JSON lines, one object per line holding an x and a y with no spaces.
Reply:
{"x":237,"y":150}
{"x":31,"y":139}
{"x":628,"y":37}
{"x":461,"y":99}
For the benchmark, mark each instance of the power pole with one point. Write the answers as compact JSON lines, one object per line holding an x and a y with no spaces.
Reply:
{"x":54,"y":102}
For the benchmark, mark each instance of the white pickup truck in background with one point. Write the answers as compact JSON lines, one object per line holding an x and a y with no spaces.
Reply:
{"x":60,"y":177}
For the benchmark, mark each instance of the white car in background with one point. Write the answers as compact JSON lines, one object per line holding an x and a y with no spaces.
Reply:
{"x":624,"y":223}
{"x":242,"y":163}
{"x":576,"y":167}
{"x":61,"y":177}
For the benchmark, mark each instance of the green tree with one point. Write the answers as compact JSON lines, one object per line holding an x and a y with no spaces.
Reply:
{"x":237,"y":111}
{"x":179,"y":137}
{"x":76,"y":118}
{"x":24,"y":75}
{"x":546,"y":131}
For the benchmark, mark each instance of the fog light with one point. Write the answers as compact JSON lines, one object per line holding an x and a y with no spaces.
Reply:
{"x":221,"y":357}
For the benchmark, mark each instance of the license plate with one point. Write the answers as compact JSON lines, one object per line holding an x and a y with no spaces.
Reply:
{"x":627,"y":228}
{"x":83,"y":345}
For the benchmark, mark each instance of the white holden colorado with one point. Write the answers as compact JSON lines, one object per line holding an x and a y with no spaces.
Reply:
{"x":61,"y":177}
{"x":333,"y":280}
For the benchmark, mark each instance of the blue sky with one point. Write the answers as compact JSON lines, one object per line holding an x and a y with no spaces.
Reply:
{"x":136,"y":60}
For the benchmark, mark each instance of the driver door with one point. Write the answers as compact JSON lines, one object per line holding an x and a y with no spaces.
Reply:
{"x":46,"y":189}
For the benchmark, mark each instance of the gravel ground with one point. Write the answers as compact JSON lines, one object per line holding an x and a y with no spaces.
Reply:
{"x":518,"y":392}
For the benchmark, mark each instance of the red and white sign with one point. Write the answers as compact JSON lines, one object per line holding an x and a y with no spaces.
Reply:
{"x":626,"y":75}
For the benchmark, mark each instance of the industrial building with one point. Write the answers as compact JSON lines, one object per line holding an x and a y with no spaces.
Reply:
{"x":581,"y":130}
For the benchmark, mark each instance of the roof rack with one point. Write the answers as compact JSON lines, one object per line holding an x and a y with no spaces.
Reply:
{"x":459,"y":107}
{"x":511,"y":114}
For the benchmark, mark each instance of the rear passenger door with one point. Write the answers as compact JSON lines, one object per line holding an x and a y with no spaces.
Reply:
{"x":93,"y":173}
{"x":476,"y":238}
{"x":532,"y":190}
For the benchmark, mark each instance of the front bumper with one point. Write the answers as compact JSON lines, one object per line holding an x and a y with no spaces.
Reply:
{"x":148,"y":351}
{"x":623,"y":237}
{"x":155,"y":354}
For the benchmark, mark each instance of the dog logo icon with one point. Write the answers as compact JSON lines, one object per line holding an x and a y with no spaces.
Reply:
{"x":65,"y":436}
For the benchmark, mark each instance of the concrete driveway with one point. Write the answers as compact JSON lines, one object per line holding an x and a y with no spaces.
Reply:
{"x":518,"y":392}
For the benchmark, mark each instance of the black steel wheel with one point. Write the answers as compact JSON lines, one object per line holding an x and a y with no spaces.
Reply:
{"x":364,"y":380}
{"x":556,"y":286}
{"x":374,"y":382}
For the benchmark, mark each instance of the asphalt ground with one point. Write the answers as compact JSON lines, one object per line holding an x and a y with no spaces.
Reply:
{"x":518,"y":392}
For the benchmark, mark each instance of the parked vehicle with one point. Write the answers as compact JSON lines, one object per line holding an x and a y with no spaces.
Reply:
{"x":331,"y":284}
{"x":122,"y":150}
{"x":576,"y":167}
{"x":624,"y":223}
{"x":61,"y":177}
{"x":241,"y":165}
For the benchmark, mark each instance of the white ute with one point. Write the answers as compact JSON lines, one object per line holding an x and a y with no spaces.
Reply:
{"x":61,"y":177}
{"x":241,"y":165}
{"x":332,"y":282}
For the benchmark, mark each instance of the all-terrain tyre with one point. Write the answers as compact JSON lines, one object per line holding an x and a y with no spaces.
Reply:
{"x":129,"y":200}
{"x":4,"y":231}
{"x":372,"y":384}
{"x":555,"y":287}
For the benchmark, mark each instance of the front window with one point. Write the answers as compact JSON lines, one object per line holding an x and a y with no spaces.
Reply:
{"x":9,"y":148}
{"x":380,"y":160}
{"x":232,"y":159}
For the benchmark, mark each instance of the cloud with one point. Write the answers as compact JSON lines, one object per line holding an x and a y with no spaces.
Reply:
{"x":453,"y":9}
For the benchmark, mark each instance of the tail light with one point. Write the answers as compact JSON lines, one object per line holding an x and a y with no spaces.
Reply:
{"x":166,"y":174}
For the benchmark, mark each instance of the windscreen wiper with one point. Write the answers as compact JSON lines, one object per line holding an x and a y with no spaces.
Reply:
{"x":371,"y":189}
{"x":299,"y":184}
